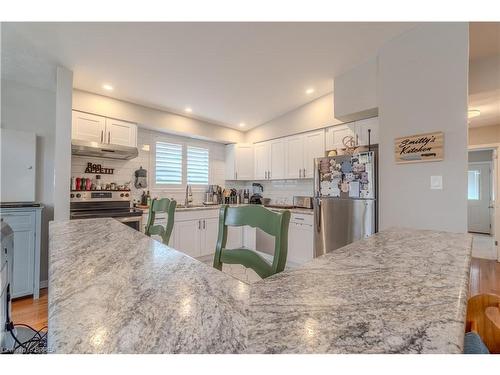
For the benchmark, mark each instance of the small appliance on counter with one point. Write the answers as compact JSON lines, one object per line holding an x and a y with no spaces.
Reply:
{"x":256,"y":197}
{"x":213,"y":195}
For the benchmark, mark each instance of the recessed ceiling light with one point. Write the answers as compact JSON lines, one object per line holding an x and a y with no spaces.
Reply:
{"x":242,"y":125}
{"x":188,"y":109}
{"x":107,"y":87}
{"x":473,"y":113}
{"x":309,"y":91}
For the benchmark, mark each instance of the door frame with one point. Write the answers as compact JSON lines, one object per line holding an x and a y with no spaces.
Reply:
{"x":495,"y":225}
{"x":491,"y":199}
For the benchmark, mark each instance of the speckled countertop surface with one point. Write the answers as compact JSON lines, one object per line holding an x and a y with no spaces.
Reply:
{"x":114,"y":290}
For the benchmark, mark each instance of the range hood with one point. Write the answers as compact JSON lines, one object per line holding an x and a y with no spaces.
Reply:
{"x":101,"y":150}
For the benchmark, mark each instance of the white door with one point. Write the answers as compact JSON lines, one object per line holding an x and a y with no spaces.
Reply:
{"x":121,"y":133}
{"x":362,"y":128}
{"x":244,"y":162}
{"x":479,"y":197}
{"x":261,"y":151}
{"x":187,"y":237}
{"x":277,"y":160}
{"x":314,"y":147}
{"x":87,"y":127}
{"x":18,"y":168}
{"x":294,"y":156}
{"x":210,"y":228}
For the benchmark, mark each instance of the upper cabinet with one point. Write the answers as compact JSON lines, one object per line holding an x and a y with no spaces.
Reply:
{"x":359,"y":131}
{"x":88,"y":127}
{"x":294,"y":156}
{"x":314,"y":147}
{"x":121,"y":133}
{"x":239,"y":161}
{"x":262,"y":160}
{"x":276,"y":160}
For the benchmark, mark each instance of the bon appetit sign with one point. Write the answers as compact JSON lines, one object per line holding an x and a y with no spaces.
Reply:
{"x":419,"y":148}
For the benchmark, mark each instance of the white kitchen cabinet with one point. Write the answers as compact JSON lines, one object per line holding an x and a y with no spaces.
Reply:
{"x":88,"y":127}
{"x":188,"y":237}
{"x":261,"y":160}
{"x":209,"y":235}
{"x":300,"y":239}
{"x":121,"y":133}
{"x":362,"y":128}
{"x":294,"y":147}
{"x":276,"y":159}
{"x":314,"y":147}
{"x":26,"y":225}
{"x":336,"y":134}
{"x":239,"y":162}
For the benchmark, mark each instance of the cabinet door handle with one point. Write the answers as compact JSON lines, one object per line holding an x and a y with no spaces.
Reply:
{"x":304,"y":173}
{"x":269,"y":175}
{"x":102,"y":135}
{"x":109,"y":137}
{"x":199,"y":224}
{"x":203,"y":224}
{"x":236,"y":175}
{"x":300,"y":173}
{"x":357,"y":140}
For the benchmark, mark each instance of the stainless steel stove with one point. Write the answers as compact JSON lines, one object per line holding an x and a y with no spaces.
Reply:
{"x":97,"y":204}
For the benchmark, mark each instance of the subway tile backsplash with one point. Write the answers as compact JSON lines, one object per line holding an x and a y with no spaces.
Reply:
{"x":279,"y":191}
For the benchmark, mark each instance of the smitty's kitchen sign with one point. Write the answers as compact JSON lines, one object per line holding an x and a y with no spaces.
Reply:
{"x":419,"y":148}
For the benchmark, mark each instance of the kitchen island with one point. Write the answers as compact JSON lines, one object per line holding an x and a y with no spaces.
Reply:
{"x":114,"y":290}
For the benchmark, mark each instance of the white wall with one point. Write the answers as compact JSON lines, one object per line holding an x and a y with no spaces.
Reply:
{"x":153,"y":119}
{"x":313,"y":115}
{"x":33,"y":109}
{"x":62,"y":149}
{"x":422,"y":87}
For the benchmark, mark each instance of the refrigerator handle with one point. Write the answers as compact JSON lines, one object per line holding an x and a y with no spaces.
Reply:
{"x":317,"y":214}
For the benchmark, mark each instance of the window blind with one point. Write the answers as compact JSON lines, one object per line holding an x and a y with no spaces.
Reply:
{"x":168,"y":163}
{"x":197,"y":165}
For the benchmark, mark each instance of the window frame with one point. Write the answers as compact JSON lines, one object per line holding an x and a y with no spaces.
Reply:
{"x":184,"y":144}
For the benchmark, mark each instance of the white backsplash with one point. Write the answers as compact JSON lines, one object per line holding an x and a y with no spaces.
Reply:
{"x":124,"y":169}
{"x":279,"y":191}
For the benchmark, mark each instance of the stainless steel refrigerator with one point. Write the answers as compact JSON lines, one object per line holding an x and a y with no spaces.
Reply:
{"x":345,"y":202}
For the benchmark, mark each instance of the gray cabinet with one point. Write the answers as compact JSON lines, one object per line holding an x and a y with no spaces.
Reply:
{"x":26,"y":225}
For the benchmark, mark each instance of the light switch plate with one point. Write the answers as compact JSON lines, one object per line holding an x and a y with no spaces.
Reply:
{"x":436,"y":182}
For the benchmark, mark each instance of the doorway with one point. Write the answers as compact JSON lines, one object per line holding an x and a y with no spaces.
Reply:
{"x":479,"y":193}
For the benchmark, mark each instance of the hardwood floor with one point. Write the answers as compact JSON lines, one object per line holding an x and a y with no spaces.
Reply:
{"x":484,"y":278}
{"x":30,"y":311}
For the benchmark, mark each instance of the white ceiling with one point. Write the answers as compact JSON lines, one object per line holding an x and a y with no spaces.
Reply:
{"x":227,"y":73}
{"x":484,"y":73}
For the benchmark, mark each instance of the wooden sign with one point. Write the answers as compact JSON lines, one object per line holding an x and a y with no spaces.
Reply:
{"x":419,"y":148}
{"x":98,"y":169}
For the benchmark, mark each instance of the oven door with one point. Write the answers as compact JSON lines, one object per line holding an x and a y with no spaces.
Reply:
{"x":134,"y":222}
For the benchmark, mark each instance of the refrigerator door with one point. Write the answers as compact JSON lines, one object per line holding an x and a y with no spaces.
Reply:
{"x":338,"y":222}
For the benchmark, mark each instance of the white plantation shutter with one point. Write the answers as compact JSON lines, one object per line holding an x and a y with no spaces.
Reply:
{"x":197,"y":165}
{"x":168,"y":163}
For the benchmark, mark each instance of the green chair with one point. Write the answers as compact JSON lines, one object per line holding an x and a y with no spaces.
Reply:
{"x":274,"y":224}
{"x":161,"y":205}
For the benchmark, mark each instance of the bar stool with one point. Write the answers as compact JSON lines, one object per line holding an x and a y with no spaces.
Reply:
{"x":274,"y":224}
{"x":163,"y":205}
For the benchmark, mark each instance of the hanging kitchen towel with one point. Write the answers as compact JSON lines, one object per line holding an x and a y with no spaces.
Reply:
{"x":141,"y":178}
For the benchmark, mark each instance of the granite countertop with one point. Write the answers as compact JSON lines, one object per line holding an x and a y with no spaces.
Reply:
{"x":307,"y":211}
{"x":114,"y":290}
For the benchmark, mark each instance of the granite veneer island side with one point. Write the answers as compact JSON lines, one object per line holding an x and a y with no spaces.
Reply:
{"x":114,"y":290}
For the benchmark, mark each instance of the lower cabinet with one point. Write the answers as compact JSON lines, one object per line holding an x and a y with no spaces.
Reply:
{"x":26,"y":225}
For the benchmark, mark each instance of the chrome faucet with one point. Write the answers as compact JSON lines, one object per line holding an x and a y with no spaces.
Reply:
{"x":189,"y":196}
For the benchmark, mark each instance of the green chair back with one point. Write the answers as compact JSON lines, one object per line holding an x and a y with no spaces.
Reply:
{"x":163,"y":205}
{"x":274,"y":224}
